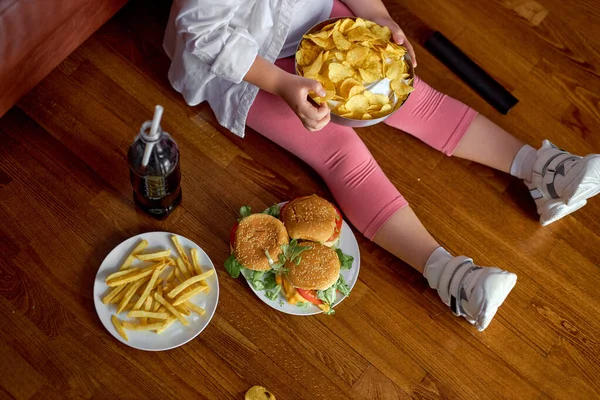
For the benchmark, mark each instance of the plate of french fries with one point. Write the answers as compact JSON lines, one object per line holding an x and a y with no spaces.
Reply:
{"x":156,"y":291}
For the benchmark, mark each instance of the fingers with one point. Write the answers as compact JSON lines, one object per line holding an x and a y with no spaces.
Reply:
{"x":314,"y":126}
{"x":400,"y":38}
{"x":315,"y":86}
{"x":311,"y":112}
{"x":319,"y":119}
{"x":411,"y":52}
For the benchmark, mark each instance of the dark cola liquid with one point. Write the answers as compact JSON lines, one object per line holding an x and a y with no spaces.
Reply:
{"x":156,"y":186}
{"x":157,"y":195}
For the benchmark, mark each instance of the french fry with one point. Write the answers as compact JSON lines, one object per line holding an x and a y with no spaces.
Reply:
{"x":169,"y":260}
{"x":159,"y":255}
{"x":147,"y":314}
{"x":128,"y":295}
{"x":148,"y":288}
{"x":179,"y":275}
{"x":183,"y":309}
{"x":184,"y":270}
{"x":138,"y":327}
{"x":196,"y":261}
{"x":192,"y":307}
{"x":157,"y":305}
{"x":158,"y":282}
{"x":180,"y":250}
{"x":119,"y":327}
{"x":132,"y":277}
{"x":185,"y":296}
{"x":171,"y":309}
{"x":117,"y":299}
{"x":112,"y":294}
{"x":118,"y":274}
{"x":171,"y":274}
{"x":138,"y":249}
{"x":188,"y":282}
{"x":165,"y":325}
{"x":147,"y":307}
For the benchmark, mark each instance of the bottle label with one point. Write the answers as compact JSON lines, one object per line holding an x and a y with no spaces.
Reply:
{"x":155,"y":187}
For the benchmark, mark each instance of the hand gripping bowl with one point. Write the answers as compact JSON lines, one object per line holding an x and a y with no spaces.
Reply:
{"x":356,"y":123}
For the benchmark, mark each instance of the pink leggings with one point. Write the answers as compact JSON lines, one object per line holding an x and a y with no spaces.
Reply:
{"x":364,"y":193}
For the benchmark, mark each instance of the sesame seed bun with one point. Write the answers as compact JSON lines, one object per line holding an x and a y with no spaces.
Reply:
{"x":255,"y":234}
{"x":310,"y":218}
{"x":319,"y":268}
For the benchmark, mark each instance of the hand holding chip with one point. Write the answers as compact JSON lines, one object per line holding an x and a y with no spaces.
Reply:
{"x":398,"y":36}
{"x":294,"y":90}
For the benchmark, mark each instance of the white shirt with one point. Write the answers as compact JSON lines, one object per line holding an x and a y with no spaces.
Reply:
{"x":213,"y":43}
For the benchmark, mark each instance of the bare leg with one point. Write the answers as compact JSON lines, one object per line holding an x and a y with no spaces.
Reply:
{"x":404,"y":236}
{"x":486,"y":143}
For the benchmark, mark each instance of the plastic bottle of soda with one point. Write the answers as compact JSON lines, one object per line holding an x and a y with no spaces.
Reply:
{"x":154,"y":169}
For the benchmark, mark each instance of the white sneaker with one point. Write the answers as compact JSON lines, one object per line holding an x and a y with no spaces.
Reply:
{"x":474,"y":292}
{"x":561,"y":182}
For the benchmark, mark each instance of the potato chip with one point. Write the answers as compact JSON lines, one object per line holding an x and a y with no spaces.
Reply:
{"x":357,"y":103}
{"x":354,"y":90}
{"x":367,"y":116}
{"x":346,"y":85}
{"x":309,"y":52}
{"x":340,"y":56}
{"x":359,"y":34}
{"x":396,"y":69}
{"x":313,"y":69}
{"x":345,"y":25}
{"x":395,"y":50}
{"x":400,"y":88}
{"x":369,"y":75}
{"x":379,"y":99}
{"x":333,"y":26}
{"x":325,"y":43}
{"x":359,"y":22}
{"x":357,"y":56}
{"x":329,"y":90}
{"x":340,"y":41}
{"x":338,"y":72}
{"x":381,"y":32}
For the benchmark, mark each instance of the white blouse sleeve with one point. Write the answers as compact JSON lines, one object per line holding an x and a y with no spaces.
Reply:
{"x":204,"y":27}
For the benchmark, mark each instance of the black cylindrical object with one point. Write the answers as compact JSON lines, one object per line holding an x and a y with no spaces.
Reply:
{"x":473,"y":75}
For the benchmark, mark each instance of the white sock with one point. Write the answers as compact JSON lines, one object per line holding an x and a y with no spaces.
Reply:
{"x":522,"y":165}
{"x":435,"y":266}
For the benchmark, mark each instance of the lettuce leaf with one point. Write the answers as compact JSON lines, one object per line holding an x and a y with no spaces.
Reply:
{"x":233,"y":266}
{"x":245,"y":211}
{"x":345,"y":260}
{"x":273,"y":293}
{"x":273,"y":211}
{"x":342,"y":286}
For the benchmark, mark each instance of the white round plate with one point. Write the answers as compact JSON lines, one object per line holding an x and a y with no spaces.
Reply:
{"x":349,"y":246}
{"x":176,"y":334}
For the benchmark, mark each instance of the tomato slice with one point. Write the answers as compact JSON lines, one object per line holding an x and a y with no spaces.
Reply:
{"x":309,"y":295}
{"x":338,"y":225}
{"x":232,"y":235}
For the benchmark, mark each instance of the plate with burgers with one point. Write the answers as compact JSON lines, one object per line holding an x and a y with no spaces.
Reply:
{"x":299,"y":257}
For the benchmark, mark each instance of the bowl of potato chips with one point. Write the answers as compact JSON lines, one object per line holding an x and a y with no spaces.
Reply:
{"x":366,"y":76}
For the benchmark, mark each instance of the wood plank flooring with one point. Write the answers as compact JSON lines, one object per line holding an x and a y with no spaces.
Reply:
{"x":66,"y":202}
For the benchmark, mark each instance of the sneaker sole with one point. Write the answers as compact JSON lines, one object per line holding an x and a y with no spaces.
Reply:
{"x":587,"y":182}
{"x":497,"y":288}
{"x":557,"y":209}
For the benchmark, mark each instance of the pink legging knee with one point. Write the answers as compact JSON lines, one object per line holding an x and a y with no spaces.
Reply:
{"x":338,"y":155}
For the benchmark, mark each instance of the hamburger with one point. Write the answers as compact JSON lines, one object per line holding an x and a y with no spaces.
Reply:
{"x":314,"y":277}
{"x":254,"y":241}
{"x":312,"y":218}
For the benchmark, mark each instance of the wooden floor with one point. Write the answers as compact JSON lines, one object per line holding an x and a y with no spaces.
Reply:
{"x":66,"y":202}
